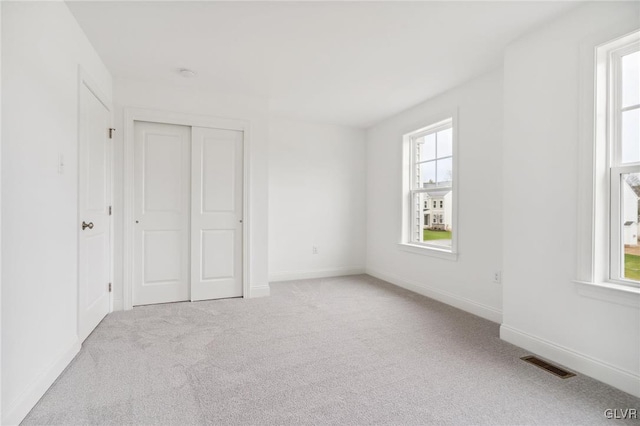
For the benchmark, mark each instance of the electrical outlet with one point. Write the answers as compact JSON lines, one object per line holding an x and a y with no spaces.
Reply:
{"x":314,"y":250}
{"x":497,"y":277}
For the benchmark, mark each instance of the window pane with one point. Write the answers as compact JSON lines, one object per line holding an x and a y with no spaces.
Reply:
{"x":630,"y":136}
{"x":427,"y":175}
{"x":631,"y":79}
{"x":432,"y":172}
{"x":445,"y":172}
{"x":630,"y":192}
{"x":426,"y":148}
{"x":433,"y":225}
{"x":445,"y":143}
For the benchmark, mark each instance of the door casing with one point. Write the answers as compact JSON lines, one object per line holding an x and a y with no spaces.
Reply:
{"x":131,"y":115}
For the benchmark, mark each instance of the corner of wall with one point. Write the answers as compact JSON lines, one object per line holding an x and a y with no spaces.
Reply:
{"x":22,"y":405}
{"x":580,"y":362}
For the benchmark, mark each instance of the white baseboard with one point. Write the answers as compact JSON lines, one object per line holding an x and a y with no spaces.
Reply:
{"x":579,"y":362}
{"x":320,"y":273}
{"x":484,"y":311}
{"x":260,"y":291}
{"x":118,"y":305}
{"x":20,"y":407}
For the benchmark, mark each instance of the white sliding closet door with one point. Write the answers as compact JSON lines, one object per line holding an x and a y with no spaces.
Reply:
{"x":216,"y":213}
{"x":161,"y":235}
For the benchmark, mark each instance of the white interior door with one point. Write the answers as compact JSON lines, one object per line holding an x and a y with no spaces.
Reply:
{"x":93,"y":198}
{"x":161,"y":212}
{"x":216,"y":213}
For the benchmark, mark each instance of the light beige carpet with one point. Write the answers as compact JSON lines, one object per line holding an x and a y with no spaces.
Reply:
{"x":348,"y":351}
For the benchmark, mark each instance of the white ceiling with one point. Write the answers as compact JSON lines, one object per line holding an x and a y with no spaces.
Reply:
{"x":350,"y":63}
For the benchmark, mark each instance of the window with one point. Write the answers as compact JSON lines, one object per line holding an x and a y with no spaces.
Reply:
{"x":429,"y":176}
{"x":623,"y":137}
{"x":609,"y":192}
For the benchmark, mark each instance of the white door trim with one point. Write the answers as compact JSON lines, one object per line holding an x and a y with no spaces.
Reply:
{"x":132,"y":115}
{"x":85,"y":79}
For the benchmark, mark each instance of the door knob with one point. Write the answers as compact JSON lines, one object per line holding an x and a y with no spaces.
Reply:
{"x":87,"y":225}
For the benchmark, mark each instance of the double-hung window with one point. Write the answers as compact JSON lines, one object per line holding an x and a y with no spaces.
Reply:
{"x":623,"y":136}
{"x":608,"y":248}
{"x":429,"y":157}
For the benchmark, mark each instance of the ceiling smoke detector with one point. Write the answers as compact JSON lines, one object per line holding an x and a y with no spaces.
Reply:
{"x":187,"y":73}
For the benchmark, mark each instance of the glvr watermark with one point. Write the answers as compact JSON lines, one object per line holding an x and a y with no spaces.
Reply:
{"x":621,"y":413}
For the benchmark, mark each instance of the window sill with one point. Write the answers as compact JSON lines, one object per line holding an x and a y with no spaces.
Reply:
{"x":428,"y":251}
{"x":610,"y":292}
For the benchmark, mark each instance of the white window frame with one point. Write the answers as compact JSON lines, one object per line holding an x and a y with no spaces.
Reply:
{"x":613,"y":57}
{"x":599,"y":259}
{"x":436,"y":123}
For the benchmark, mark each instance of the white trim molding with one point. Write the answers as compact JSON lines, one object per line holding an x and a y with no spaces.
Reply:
{"x":579,"y":362}
{"x":260,"y":291}
{"x":428,"y":251}
{"x":467,"y":305}
{"x":318,"y":273}
{"x":18,"y":409}
{"x":131,"y":115}
{"x":610,"y":292}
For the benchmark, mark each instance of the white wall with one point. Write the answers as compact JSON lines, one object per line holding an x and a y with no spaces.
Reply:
{"x":42,"y":46}
{"x":317,"y":189}
{"x":185,"y":99}
{"x":467,"y":282}
{"x":597,"y":333}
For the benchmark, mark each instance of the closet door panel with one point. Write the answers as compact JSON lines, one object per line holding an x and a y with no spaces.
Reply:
{"x":216,"y":213}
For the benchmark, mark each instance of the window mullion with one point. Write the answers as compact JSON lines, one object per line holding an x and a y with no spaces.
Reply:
{"x":630,"y":108}
{"x":626,"y":169}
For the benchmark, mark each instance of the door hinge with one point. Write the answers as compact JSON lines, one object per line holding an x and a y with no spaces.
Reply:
{"x":111,"y":131}
{"x":109,"y":287}
{"x":109,"y":210}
